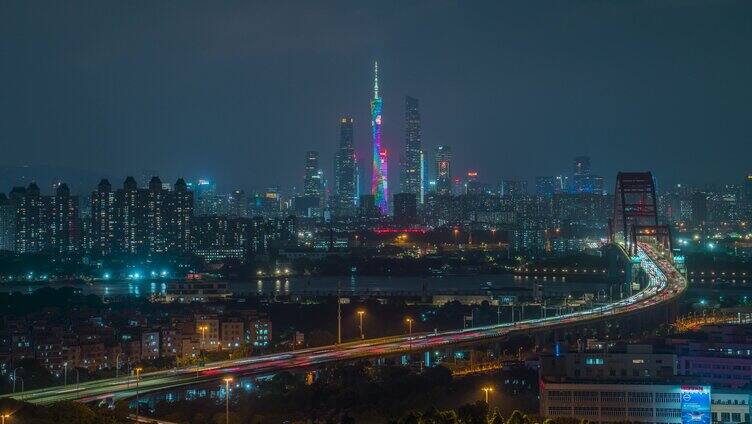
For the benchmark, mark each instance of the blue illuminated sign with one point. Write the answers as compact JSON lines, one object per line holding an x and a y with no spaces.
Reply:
{"x":695,"y":404}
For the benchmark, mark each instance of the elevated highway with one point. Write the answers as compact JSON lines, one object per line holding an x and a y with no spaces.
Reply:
{"x":665,"y":283}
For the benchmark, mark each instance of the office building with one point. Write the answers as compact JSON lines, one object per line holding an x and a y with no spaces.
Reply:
{"x":312,"y":179}
{"x":513,"y":188}
{"x":345,"y":171}
{"x":443,"y":170}
{"x":583,"y":180}
{"x":545,"y":186}
{"x":405,"y":208}
{"x":412,"y":176}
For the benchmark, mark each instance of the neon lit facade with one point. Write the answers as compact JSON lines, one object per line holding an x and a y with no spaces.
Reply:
{"x":379,"y":173}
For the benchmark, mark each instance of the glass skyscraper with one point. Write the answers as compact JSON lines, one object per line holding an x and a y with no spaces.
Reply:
{"x":411,"y":173}
{"x":345,"y":170}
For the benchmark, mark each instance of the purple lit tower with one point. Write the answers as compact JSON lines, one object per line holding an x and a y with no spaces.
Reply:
{"x":379,"y":176}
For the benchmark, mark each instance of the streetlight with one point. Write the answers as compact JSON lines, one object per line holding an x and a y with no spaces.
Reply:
{"x":65,"y":374}
{"x":227,"y":381}
{"x":203,"y":329}
{"x":117,"y":365}
{"x":14,"y":378}
{"x":22,"y":387}
{"x":487,"y":390}
{"x":409,"y":333}
{"x":138,"y":375}
{"x":360,"y":315}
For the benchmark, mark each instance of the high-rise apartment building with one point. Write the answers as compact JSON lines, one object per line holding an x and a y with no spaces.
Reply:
{"x":156,"y":220}
{"x":103,"y":223}
{"x":411,"y":173}
{"x":130,"y":216}
{"x":7,"y":224}
{"x":65,"y":234}
{"x":180,"y":216}
{"x":32,"y":219}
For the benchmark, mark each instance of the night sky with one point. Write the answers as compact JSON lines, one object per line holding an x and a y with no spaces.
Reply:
{"x":238,"y":91}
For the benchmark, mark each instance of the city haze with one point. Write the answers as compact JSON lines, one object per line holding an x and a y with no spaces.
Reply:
{"x":238,"y":93}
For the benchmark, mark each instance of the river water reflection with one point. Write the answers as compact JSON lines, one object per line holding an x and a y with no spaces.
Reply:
{"x":468,"y":284}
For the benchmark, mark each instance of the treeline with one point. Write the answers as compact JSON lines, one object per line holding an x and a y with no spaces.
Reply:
{"x":58,"y":413}
{"x":356,"y":393}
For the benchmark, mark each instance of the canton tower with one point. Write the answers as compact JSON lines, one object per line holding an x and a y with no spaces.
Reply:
{"x":379,"y":175}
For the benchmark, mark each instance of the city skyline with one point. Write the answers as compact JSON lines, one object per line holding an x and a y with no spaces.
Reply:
{"x":432,"y":211}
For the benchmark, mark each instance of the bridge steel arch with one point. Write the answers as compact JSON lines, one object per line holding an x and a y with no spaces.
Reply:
{"x":636,"y":213}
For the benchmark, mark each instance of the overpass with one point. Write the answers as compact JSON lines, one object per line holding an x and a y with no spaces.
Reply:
{"x":664,"y":284}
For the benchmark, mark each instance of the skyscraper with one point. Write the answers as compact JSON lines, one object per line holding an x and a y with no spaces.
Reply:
{"x":312,"y":180}
{"x":156,"y":217}
{"x":345,"y":172}
{"x":583,"y":180}
{"x":411,"y":172}
{"x":405,"y":208}
{"x":180,"y":216}
{"x":7,"y":223}
{"x":545,"y":186}
{"x":311,"y":201}
{"x":443,"y":170}
{"x":380,"y":171}
{"x":32,"y":219}
{"x":103,"y":224}
{"x":581,"y":165}
{"x":65,"y":226}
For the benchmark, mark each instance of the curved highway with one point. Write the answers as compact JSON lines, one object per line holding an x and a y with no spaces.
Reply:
{"x":665,"y":283}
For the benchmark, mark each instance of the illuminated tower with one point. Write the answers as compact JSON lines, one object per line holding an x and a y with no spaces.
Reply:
{"x":379,"y":173}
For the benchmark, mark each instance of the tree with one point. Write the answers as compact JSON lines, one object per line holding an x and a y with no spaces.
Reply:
{"x":474,"y":413}
{"x":495,"y":417}
{"x":516,"y":418}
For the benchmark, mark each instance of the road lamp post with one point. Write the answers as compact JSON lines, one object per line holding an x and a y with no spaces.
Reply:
{"x":227,"y":381}
{"x":138,"y":376}
{"x":203,"y":329}
{"x":409,"y":333}
{"x":14,"y":378}
{"x":117,"y":365}
{"x":339,"y":316}
{"x":487,"y":390}
{"x":22,"y":387}
{"x":65,"y":374}
{"x":360,"y":316}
